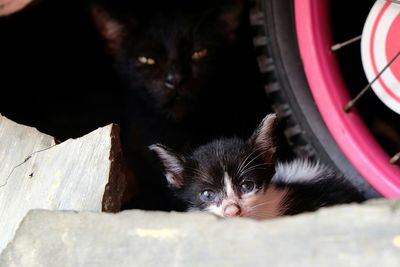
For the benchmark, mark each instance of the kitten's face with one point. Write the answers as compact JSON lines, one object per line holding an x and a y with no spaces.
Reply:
{"x":228,"y":177}
{"x":167,"y":53}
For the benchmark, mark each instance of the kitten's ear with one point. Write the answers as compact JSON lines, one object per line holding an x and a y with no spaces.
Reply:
{"x":230,"y":17}
{"x":263,"y":139}
{"x":173,"y":164}
{"x":110,"y":28}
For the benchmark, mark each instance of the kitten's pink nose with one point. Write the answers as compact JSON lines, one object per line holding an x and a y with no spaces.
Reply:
{"x":232,"y":210}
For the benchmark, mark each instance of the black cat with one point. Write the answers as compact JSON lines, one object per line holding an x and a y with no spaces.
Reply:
{"x":188,"y":77}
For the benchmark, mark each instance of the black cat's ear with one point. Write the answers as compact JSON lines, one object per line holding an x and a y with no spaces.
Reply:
{"x":263,"y":139}
{"x":173,"y":164}
{"x":230,"y":17}
{"x":110,"y":28}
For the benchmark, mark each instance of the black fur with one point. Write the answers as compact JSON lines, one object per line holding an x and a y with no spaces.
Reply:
{"x":327,"y":188}
{"x":211,"y":97}
{"x":308,"y":185}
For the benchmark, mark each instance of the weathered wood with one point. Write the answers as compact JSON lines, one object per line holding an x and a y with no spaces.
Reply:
{"x":78,"y":174}
{"x":7,"y":7}
{"x":365,"y":235}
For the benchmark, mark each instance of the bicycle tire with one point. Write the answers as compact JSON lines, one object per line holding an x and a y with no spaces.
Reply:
{"x":280,"y":65}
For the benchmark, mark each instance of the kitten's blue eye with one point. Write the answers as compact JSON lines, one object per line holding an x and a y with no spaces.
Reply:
{"x":247,"y":187}
{"x":208,"y":195}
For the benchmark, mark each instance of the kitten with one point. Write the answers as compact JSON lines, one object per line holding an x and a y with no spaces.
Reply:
{"x":179,"y":61}
{"x":231,"y":177}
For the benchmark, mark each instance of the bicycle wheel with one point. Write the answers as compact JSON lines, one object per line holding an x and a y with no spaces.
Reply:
{"x":293,"y":40}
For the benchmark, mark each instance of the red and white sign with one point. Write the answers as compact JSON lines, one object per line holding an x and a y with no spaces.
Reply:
{"x":379,"y":44}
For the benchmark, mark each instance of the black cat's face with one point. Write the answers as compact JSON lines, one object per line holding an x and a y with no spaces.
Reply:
{"x":168,"y":56}
{"x":172,"y":66}
{"x":227,"y":177}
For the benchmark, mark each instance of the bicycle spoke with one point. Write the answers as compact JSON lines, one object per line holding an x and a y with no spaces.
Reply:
{"x":352,"y":102}
{"x":395,"y":159}
{"x":346,"y":43}
{"x":394,"y":1}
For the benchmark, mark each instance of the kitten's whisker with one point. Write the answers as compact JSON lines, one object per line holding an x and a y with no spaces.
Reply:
{"x":261,"y":216}
{"x":261,"y":212}
{"x":252,"y":169}
{"x":261,"y":164}
{"x":255,"y":167}
{"x":258,"y":166}
{"x":189,"y":202}
{"x":253,"y":159}
{"x":244,"y":161}
{"x":260,"y":204}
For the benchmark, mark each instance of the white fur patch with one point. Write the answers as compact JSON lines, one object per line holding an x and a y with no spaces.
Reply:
{"x":217,"y":210}
{"x":228,"y":186}
{"x":299,"y":170}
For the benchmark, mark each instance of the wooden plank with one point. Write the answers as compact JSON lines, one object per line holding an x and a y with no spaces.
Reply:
{"x":78,"y":174}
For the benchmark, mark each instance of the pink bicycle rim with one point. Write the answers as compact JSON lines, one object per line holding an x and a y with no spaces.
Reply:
{"x":331,"y":95}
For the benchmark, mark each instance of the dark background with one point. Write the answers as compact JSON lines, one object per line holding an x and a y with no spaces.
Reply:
{"x":57,"y":76}
{"x":54,"y":72}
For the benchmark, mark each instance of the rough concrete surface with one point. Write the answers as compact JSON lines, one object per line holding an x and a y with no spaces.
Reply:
{"x":35,"y":173}
{"x":352,"y":235}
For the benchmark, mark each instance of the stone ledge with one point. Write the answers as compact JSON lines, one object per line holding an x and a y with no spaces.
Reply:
{"x":87,"y":173}
{"x":348,"y":235}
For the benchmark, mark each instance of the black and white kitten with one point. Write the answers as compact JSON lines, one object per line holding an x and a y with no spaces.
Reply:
{"x":231,"y":177}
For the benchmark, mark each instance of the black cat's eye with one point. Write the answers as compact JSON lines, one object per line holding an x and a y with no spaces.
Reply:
{"x":208,"y":195}
{"x":199,"y":54}
{"x":247,"y":187}
{"x":146,"y":60}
